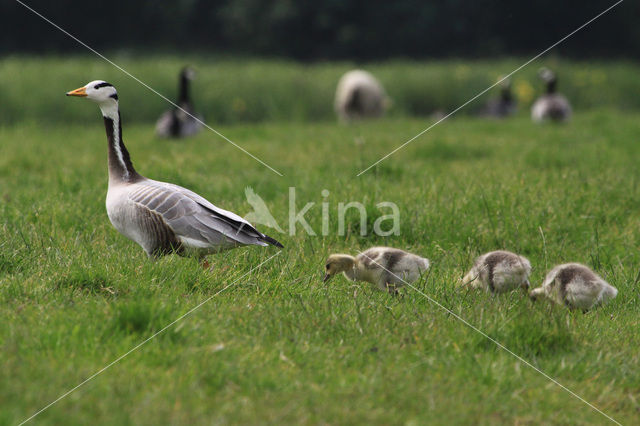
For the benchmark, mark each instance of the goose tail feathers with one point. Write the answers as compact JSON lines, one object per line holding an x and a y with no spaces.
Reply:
{"x":273,"y":242}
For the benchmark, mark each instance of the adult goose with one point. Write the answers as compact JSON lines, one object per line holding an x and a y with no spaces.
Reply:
{"x":575,"y":286}
{"x":162,"y":217}
{"x":359,"y":95}
{"x":385,"y":267}
{"x":502,"y":106}
{"x":180,"y":122}
{"x":552,"y":105}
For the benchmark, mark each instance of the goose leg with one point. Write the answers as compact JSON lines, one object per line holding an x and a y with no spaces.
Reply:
{"x":392,"y":289}
{"x":205,"y":264}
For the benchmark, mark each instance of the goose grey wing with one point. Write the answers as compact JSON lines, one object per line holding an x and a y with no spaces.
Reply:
{"x":164,"y":124}
{"x":193,"y":221}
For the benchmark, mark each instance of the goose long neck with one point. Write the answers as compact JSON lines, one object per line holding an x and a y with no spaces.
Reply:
{"x":183,"y":90}
{"x":551,"y":86}
{"x":120,"y":166}
{"x":505,"y":94}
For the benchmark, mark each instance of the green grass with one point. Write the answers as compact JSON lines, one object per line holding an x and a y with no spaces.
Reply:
{"x":232,"y":90}
{"x":279,"y":346}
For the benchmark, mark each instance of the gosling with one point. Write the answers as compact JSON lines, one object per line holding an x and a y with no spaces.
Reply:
{"x":575,"y":286}
{"x":387,"y":268}
{"x":499,"y":272}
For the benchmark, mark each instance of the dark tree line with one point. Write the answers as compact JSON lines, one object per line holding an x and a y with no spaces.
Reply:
{"x":329,"y":29}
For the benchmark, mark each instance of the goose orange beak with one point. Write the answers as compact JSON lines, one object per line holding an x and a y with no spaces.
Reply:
{"x":81,"y":91}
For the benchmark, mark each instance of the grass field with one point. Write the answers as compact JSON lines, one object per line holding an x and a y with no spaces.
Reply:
{"x":279,"y":346}
{"x":229,"y":91}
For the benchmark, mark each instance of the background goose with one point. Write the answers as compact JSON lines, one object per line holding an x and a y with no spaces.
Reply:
{"x":175,"y":123}
{"x":502,"y":106}
{"x":498,"y":272}
{"x":162,"y":217}
{"x":551,"y":105}
{"x":387,"y":268}
{"x":575,"y":286}
{"x":359,"y":95}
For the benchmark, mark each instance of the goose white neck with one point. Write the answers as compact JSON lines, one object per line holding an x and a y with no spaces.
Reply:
{"x":110,"y":109}
{"x":120,"y":166}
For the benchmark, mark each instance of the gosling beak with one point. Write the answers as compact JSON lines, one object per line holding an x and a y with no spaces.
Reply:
{"x":81,"y":92}
{"x":326,"y":278}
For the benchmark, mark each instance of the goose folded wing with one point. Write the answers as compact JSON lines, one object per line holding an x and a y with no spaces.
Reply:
{"x":193,"y":217}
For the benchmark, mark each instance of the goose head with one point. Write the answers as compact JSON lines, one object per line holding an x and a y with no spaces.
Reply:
{"x":505,"y":87}
{"x":549,"y":78}
{"x":337,"y":263}
{"x":546,"y":74}
{"x":188,"y":73}
{"x":101,"y":92}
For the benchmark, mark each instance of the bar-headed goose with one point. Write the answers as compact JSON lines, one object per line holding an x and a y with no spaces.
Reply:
{"x":387,"y":268}
{"x":162,"y":217}
{"x":575,"y":286}
{"x":498,"y":272}
{"x":552,"y":105}
{"x":359,"y":95}
{"x":180,"y":122}
{"x":503,"y":105}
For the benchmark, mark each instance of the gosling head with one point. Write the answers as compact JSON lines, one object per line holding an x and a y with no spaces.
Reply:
{"x":536,"y":293}
{"x":337,"y":263}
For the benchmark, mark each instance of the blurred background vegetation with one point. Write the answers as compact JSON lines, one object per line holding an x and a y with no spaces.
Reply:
{"x":255,"y":58}
{"x":331,"y":29}
{"x":256,"y":90}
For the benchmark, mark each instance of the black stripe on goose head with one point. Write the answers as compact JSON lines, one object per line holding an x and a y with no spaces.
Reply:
{"x":103,"y":84}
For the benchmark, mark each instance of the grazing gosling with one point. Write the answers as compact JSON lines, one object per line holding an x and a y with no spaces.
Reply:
{"x":575,"y":286}
{"x":552,"y":105}
{"x":387,"y":268}
{"x":498,"y":272}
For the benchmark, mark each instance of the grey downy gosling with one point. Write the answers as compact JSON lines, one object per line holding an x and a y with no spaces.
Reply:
{"x":575,"y":286}
{"x":161,"y":217}
{"x":176,"y":123}
{"x":499,"y":272}
{"x":385,"y":267}
{"x":552,"y":105}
